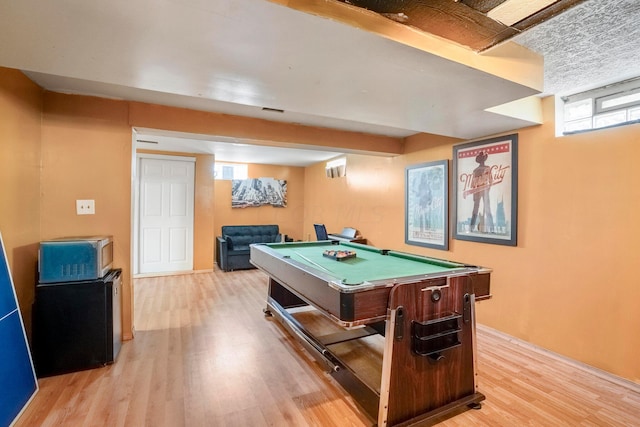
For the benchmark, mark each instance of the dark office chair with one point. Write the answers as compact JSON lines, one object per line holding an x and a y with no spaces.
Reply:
{"x":321,"y":232}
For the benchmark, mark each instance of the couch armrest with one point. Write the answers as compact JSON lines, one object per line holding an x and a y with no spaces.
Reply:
{"x":221,"y":253}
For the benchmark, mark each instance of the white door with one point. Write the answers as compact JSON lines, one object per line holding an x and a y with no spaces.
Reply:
{"x":166,"y":215}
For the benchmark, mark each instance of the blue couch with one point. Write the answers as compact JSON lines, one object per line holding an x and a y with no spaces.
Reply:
{"x":232,"y":251}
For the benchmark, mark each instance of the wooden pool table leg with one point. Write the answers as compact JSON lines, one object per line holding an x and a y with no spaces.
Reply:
{"x":428,"y":368}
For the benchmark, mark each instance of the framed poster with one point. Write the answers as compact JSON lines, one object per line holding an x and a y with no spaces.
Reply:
{"x":255,"y":192}
{"x":485,"y":192}
{"x":426,"y":205}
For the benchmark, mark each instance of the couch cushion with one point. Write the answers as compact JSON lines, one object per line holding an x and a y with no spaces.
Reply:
{"x":244,"y":235}
{"x":238,"y":252}
{"x":229,"y":241}
{"x":242,"y":242}
{"x":249,"y":229}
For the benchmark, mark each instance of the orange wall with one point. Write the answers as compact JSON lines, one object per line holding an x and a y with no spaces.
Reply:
{"x":289,"y":219}
{"x":87,"y":154}
{"x":203,"y":215}
{"x":20,"y":106}
{"x":571,"y":284}
{"x":370,"y":197}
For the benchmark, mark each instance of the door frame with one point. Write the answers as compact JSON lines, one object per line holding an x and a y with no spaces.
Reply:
{"x":136,"y":203}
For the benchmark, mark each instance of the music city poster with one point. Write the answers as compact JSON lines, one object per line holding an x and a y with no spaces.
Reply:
{"x":485,"y":174}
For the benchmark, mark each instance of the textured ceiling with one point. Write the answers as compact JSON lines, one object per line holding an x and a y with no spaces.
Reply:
{"x":591,"y":45}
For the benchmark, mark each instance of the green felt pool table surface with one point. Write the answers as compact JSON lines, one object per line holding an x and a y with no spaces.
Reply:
{"x":369,"y":265}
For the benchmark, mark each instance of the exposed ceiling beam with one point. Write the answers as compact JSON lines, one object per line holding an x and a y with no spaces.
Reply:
{"x":512,"y":11}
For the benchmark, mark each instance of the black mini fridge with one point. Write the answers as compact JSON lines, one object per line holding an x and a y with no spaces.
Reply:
{"x":77,"y":325}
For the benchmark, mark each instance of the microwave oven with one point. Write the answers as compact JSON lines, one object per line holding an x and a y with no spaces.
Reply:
{"x":69,"y":259}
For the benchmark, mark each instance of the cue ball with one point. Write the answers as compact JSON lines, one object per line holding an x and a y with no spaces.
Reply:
{"x":436,"y":295}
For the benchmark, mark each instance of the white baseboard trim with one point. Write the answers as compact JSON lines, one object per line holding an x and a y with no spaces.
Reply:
{"x":608,"y":376}
{"x":171,"y":273}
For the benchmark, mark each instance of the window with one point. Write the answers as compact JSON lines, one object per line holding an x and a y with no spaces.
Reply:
{"x":612,"y":105}
{"x":230,"y":171}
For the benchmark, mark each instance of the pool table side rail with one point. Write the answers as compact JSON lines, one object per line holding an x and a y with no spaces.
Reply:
{"x":455,"y":269}
{"x":312,"y":286}
{"x":346,"y":305}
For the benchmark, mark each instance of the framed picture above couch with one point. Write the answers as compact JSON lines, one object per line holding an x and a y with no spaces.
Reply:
{"x":254,"y":192}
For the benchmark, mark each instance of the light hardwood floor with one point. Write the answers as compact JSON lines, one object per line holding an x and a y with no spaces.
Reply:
{"x":205,"y":355}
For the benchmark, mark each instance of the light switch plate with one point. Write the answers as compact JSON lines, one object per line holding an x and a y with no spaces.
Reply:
{"x":85,"y":207}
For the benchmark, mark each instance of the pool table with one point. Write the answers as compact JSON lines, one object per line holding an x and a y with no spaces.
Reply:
{"x":421,"y":309}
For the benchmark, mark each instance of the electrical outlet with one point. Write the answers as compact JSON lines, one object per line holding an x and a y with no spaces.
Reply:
{"x":85,"y":207}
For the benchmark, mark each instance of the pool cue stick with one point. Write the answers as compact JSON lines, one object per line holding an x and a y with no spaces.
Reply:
{"x":314,"y":263}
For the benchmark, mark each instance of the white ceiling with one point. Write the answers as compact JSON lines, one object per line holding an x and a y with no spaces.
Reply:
{"x":237,"y":56}
{"x":230,"y":149}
